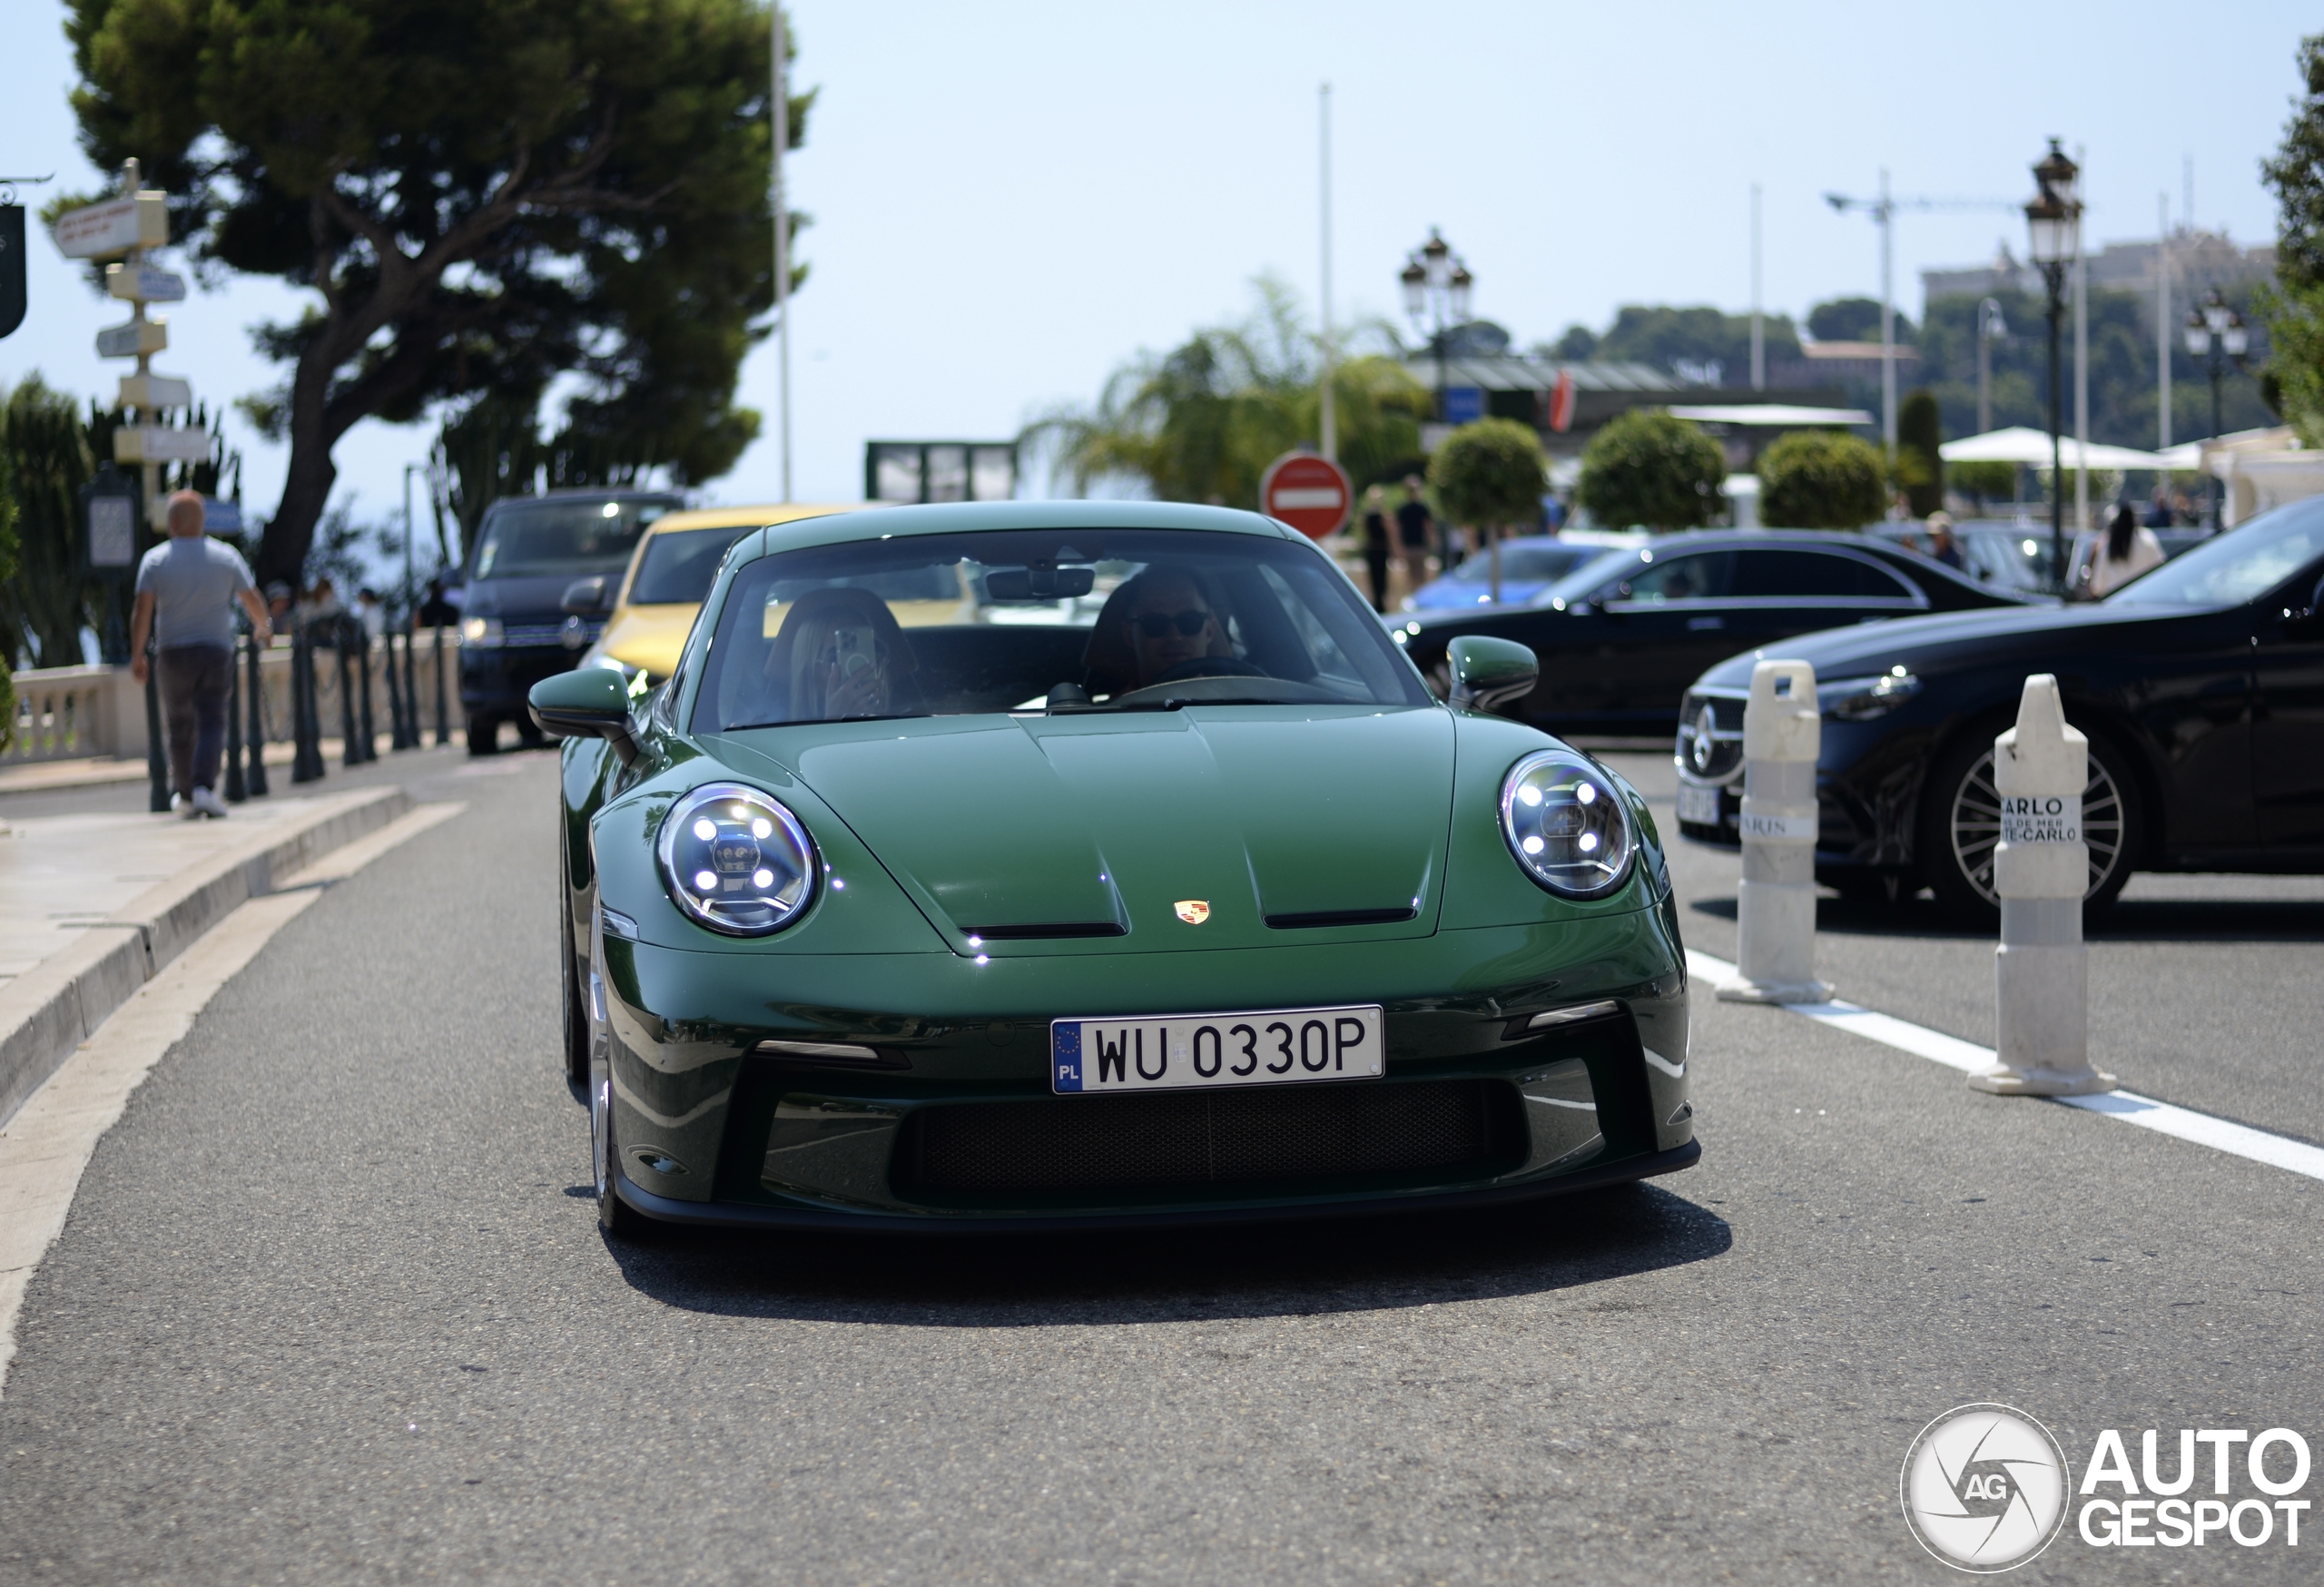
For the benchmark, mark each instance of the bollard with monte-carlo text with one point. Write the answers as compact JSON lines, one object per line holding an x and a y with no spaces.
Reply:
{"x":1774,"y":907}
{"x":2041,"y":869}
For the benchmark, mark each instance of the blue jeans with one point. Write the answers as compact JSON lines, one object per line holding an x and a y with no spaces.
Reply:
{"x":193,"y":681}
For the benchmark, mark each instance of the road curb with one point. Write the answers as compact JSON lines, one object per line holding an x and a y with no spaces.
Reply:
{"x":50,"y":1010}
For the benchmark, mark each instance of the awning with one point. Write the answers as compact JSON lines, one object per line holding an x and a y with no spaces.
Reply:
{"x":1773,"y":415}
{"x":2022,"y":444}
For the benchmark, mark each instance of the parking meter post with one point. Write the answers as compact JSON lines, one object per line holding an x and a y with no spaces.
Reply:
{"x":443,"y":718}
{"x":157,"y":764}
{"x":2041,"y":871}
{"x":236,"y":790}
{"x":254,"y":740}
{"x":1776,"y":903}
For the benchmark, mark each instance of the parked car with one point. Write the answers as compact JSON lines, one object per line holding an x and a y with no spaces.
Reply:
{"x":1995,"y":551}
{"x":1529,"y":567}
{"x":2201,"y":686}
{"x":1196,"y":906}
{"x":669,"y":573}
{"x":539,"y":582}
{"x":1620,"y":637}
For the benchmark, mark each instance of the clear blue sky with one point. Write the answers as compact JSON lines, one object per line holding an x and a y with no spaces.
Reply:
{"x":1011,"y":198}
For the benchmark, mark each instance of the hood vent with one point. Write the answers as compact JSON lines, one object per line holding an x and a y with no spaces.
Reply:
{"x":1340,"y":917}
{"x":1056,"y":929}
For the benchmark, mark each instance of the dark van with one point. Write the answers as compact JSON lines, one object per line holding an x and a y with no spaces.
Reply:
{"x":541,"y":580}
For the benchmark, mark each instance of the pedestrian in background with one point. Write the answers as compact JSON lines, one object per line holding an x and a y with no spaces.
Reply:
{"x":2125,"y":550}
{"x":1375,"y":545}
{"x":1416,"y":531}
{"x":186,"y":589}
{"x":372,"y":611}
{"x":1940,"y":543}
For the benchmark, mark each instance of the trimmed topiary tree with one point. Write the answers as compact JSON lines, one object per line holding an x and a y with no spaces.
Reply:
{"x":1491,"y":475}
{"x":1646,"y":467}
{"x":1821,"y":479}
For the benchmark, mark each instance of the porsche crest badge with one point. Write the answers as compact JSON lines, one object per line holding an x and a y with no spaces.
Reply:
{"x":1193,"y":910}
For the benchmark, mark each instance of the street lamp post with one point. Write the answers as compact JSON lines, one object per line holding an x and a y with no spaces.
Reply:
{"x":1437,"y":285}
{"x":2215,"y":332}
{"x":2054,"y":217}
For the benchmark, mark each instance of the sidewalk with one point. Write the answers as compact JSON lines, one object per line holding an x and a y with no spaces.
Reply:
{"x":104,"y":771}
{"x":93,"y":906}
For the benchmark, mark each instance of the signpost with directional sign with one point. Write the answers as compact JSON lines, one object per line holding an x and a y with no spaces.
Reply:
{"x":126,"y":227}
{"x":1308,"y":491}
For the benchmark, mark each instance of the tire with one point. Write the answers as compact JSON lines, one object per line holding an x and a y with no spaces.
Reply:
{"x":577,"y":1016}
{"x":484,"y":734}
{"x":1960,"y":827}
{"x":617,"y":1220}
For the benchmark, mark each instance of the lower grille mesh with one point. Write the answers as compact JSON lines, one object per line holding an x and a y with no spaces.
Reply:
{"x":1206,"y":1138}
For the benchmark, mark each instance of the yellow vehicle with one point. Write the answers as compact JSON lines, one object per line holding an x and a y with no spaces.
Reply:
{"x":669,"y":574}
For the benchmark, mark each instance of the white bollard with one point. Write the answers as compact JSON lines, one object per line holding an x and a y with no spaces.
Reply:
{"x":2042,"y":969}
{"x":1775,"y":905}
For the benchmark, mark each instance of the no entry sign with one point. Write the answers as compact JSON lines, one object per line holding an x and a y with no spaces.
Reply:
{"x":1308,"y":492}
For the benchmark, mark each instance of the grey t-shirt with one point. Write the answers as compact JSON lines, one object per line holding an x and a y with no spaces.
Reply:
{"x":194,"y":581}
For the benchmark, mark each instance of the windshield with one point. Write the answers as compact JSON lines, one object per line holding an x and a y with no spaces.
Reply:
{"x":2241,"y":565}
{"x":1042,"y":620}
{"x":1522,"y":563}
{"x":1582,"y":583}
{"x":681,"y":564}
{"x":574,"y":536}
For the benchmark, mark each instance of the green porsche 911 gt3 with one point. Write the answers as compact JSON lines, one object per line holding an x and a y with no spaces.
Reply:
{"x":1009,"y":864}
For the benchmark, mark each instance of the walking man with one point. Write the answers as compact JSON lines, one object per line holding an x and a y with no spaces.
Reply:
{"x":186,"y":589}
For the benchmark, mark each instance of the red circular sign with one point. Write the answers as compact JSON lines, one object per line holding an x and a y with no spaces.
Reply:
{"x":1310,"y":493}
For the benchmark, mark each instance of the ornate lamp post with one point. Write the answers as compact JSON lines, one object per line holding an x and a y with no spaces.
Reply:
{"x":1437,"y":284}
{"x":2054,"y":217}
{"x":2215,"y":332}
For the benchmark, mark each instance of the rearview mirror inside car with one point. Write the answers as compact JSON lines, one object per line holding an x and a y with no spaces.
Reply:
{"x":1038,"y":584}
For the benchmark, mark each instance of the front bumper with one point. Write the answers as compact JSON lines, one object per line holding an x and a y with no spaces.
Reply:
{"x":496,"y":681}
{"x":711,"y":1131}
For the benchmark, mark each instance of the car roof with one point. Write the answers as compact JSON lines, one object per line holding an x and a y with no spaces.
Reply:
{"x":965,"y":517}
{"x":749,"y":517}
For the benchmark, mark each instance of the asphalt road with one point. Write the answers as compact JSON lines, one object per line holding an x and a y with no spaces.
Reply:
{"x":331,"y":1305}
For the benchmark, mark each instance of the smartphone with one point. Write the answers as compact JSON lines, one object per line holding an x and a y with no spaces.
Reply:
{"x":854,"y":648}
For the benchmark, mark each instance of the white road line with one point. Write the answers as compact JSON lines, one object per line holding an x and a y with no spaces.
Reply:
{"x":48,"y":1143}
{"x":2163,"y":1117}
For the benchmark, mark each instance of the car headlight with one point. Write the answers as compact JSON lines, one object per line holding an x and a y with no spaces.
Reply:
{"x":480,"y":633}
{"x":1565,"y":822}
{"x":736,"y":861}
{"x":1862,"y":699}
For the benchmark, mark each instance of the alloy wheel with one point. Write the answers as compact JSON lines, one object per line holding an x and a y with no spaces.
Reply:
{"x":1975,"y":825}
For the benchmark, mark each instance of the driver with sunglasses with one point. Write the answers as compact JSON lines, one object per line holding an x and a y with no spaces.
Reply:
{"x":1172,"y":622}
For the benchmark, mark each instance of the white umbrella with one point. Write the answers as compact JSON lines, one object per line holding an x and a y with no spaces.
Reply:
{"x":2022,"y":444}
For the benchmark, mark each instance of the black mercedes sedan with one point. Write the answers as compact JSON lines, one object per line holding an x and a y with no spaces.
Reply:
{"x":1620,"y":635}
{"x":2201,"y":685}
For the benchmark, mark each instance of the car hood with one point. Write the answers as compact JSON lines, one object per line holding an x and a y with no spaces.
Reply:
{"x":1102,"y":821}
{"x":1932,"y":645}
{"x":525,"y":597}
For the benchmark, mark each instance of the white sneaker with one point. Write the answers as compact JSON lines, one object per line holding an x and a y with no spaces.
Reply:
{"x":184,"y":809}
{"x":209,"y":803}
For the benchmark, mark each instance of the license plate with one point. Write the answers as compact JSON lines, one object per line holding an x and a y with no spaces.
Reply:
{"x":1267,"y":1047}
{"x":1697,"y":805}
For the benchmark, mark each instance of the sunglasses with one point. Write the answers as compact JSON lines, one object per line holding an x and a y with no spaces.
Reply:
{"x":1158,"y":625}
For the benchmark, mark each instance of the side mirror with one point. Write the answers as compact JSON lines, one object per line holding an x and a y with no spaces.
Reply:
{"x":585,"y":594}
{"x":587,"y":702}
{"x":1486,"y":672}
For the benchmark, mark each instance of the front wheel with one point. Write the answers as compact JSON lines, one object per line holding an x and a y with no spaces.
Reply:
{"x":484,"y":734}
{"x":577,"y":1014}
{"x":616,"y":1217}
{"x":1961,"y":828}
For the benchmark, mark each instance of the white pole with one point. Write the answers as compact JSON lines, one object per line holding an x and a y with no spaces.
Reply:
{"x":782,"y":118}
{"x":1775,"y":904}
{"x":2080,"y":367}
{"x":1758,"y":329}
{"x":2162,"y":322}
{"x":1329,"y":422}
{"x":1887,"y":322}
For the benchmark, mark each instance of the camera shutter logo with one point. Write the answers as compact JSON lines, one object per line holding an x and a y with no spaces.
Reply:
{"x":1985,"y":1488}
